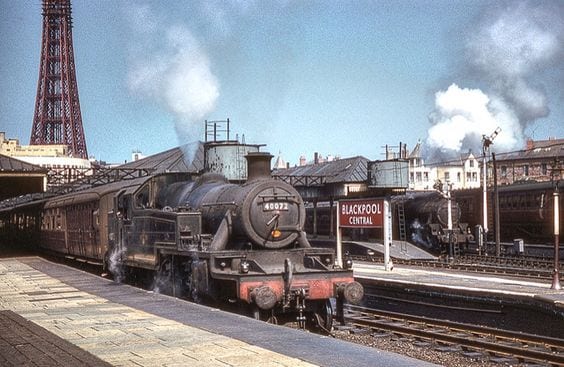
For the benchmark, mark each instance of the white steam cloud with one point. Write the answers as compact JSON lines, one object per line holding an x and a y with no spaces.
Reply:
{"x":514,"y":47}
{"x":462,"y":116}
{"x":172,"y":68}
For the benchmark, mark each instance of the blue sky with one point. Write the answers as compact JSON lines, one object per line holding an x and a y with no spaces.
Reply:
{"x":335,"y":77}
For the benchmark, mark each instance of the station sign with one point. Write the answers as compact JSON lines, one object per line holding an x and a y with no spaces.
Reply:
{"x":365,"y":213}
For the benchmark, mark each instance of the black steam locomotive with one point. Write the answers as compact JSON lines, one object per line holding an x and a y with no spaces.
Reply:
{"x":426,"y":221}
{"x":204,"y":238}
{"x":417,"y":217}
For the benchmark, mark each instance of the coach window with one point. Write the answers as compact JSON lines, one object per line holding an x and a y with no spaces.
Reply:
{"x":521,"y":201}
{"x":502,"y":202}
{"x":95,"y":218}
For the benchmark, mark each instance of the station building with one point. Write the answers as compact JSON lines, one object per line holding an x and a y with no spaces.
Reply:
{"x":541,"y":160}
{"x":19,"y":178}
{"x":61,"y":166}
{"x":461,"y":173}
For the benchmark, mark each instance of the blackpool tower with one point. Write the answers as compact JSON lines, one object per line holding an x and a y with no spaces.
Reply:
{"x":57,"y":118}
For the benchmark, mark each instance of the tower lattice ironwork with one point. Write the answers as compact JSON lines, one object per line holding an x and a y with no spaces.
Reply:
{"x":57,"y":118}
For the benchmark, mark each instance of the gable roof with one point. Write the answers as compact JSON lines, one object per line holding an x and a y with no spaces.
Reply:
{"x":10,"y":164}
{"x":539,"y":149}
{"x":339,"y":171}
{"x":172,"y":160}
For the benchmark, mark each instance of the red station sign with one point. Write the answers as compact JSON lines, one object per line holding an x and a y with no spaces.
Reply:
{"x":361,"y":213}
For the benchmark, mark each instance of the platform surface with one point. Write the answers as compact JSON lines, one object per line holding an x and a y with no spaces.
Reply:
{"x":398,"y":249}
{"x":467,"y":282}
{"x":126,"y":326}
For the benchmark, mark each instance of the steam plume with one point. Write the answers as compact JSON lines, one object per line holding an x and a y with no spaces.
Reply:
{"x":462,"y":116}
{"x":515,"y":47}
{"x":172,"y":68}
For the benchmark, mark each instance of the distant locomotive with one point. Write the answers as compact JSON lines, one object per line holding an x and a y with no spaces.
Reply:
{"x":422,"y":215}
{"x":426,"y":221}
{"x":204,"y":239}
{"x":526,"y":210}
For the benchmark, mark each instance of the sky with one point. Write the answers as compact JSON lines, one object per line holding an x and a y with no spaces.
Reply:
{"x":341,"y":78}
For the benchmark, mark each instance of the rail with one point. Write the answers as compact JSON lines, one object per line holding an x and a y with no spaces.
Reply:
{"x":530,"y":268}
{"x":493,"y":341}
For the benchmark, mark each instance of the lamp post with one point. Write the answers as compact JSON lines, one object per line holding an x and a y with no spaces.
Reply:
{"x":486,"y":142}
{"x":555,"y":272}
{"x":449,"y":225}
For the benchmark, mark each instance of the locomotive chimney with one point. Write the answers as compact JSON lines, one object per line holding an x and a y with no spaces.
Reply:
{"x":258,"y":165}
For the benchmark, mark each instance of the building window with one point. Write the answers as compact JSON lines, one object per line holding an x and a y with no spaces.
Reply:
{"x":544,"y":169}
{"x":526,"y":170}
{"x":503,"y":171}
{"x":458,"y":177}
{"x":474,"y":177}
{"x":471,"y":163}
{"x":426,"y":176}
{"x":447,"y":176}
{"x":418,"y":176}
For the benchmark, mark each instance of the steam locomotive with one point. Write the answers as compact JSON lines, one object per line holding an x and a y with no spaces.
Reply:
{"x":426,"y":221}
{"x":203,"y":238}
{"x":421,"y":216}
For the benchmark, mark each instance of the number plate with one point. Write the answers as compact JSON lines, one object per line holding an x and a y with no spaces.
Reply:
{"x":274,"y":205}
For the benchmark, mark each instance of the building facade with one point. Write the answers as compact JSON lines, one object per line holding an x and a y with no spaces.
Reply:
{"x":541,"y":160}
{"x":462,"y":173}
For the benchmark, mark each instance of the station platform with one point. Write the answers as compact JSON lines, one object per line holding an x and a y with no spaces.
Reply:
{"x":54,"y":315}
{"x":532,"y":299}
{"x":398,"y":249}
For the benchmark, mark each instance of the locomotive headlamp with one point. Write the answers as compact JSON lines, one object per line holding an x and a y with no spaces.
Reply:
{"x":276,"y":233}
{"x":244,"y":267}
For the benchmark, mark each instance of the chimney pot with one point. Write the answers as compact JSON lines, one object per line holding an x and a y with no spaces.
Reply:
{"x":258,"y":165}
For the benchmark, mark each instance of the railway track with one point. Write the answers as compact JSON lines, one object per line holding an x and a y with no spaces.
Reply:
{"x":529,"y":268}
{"x":482,"y":342}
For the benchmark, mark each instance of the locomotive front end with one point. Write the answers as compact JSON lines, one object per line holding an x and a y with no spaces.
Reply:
{"x":286,"y":277}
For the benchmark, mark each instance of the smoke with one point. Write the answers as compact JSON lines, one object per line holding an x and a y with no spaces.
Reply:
{"x":417,"y":235}
{"x":513,"y":51}
{"x":171,"y":68}
{"x":115,"y":263}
